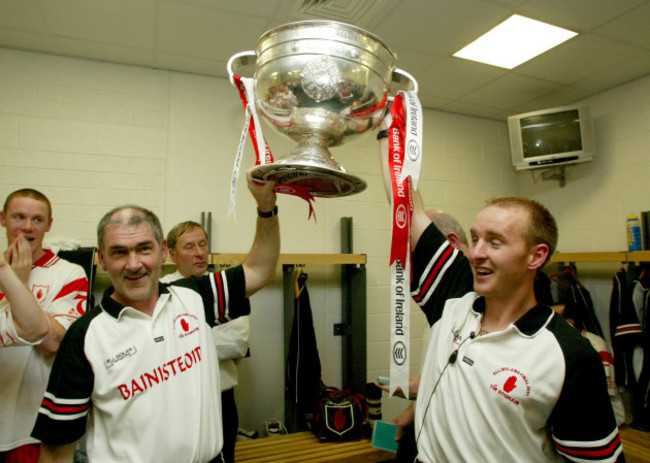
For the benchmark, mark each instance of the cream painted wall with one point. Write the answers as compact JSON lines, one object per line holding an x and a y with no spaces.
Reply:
{"x":95,"y":135}
{"x":592,"y":208}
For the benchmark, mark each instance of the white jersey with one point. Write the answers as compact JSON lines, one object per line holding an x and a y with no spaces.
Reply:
{"x":533,"y":392}
{"x":231,"y":340}
{"x":61,"y":288}
{"x":147,"y":387}
{"x":8,"y":333}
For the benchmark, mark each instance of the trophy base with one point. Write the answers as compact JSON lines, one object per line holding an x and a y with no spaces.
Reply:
{"x":321,"y":181}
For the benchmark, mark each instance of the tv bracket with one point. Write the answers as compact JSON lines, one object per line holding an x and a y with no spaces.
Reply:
{"x":555,"y":173}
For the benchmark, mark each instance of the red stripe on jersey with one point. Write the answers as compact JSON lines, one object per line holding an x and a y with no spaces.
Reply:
{"x":80,"y":284}
{"x":11,"y":339}
{"x":606,"y":357}
{"x":63,"y":409}
{"x":221,"y":298}
{"x":47,"y":260}
{"x":602,"y":452}
{"x":434,"y":273}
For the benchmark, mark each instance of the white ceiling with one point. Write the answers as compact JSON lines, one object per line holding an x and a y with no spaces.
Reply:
{"x":198,"y":36}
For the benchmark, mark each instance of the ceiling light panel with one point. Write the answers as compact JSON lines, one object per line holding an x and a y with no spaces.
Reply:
{"x":514,"y":41}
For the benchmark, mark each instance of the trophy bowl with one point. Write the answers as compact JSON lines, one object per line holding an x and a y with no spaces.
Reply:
{"x":319,"y":83}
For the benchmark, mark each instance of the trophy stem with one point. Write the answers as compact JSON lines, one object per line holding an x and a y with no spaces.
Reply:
{"x":311,"y":166}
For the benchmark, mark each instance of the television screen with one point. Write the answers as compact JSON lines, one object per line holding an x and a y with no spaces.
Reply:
{"x":551,"y":133}
{"x":551,"y":137}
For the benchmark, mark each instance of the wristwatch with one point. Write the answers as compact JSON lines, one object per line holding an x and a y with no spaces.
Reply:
{"x":382,"y":134}
{"x":265,"y":215}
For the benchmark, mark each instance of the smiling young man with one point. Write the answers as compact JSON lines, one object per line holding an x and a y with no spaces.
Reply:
{"x":61,"y":289}
{"x":504,"y":378}
{"x":188,"y":249}
{"x":139,"y":373}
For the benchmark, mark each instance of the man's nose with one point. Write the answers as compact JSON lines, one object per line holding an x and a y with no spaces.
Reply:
{"x":132,"y":261}
{"x":477,"y":250}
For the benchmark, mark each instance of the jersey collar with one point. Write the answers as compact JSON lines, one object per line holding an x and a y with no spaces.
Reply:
{"x":46,"y":259}
{"x":115,"y":309}
{"x":530,"y":323}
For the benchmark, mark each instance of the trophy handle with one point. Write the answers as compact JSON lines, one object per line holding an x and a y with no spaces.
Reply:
{"x":404,"y":81}
{"x":240,"y":59}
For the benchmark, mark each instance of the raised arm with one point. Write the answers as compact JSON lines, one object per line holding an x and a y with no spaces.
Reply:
{"x":261,"y":262}
{"x":419,"y":221}
{"x":57,"y":454}
{"x":29,"y":320}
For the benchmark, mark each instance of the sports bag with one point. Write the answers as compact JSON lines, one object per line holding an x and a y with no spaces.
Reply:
{"x":341,"y":415}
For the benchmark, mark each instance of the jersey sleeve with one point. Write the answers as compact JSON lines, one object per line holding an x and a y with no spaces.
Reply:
{"x":8,"y":333}
{"x":223,"y":294}
{"x":582,"y":423}
{"x":64,"y":409}
{"x":229,"y":290}
{"x":439,"y":272}
{"x":231,"y":338}
{"x":70,"y":302}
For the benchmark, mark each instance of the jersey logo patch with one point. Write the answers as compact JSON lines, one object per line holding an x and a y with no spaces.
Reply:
{"x":185,"y":325}
{"x":40,"y":292}
{"x":511,"y":384}
{"x":126,"y":353}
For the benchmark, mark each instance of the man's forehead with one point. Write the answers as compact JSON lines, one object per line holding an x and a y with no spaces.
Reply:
{"x":125,"y":233}
{"x":22,"y":202}
{"x":193,"y":234}
{"x":500,"y":217}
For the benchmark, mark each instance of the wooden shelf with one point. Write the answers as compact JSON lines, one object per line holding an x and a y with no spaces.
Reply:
{"x":622,"y":257}
{"x":294,"y":259}
{"x":228,"y":259}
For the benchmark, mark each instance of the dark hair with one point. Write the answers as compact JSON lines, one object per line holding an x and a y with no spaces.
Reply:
{"x":542,"y":227}
{"x":137,"y":216}
{"x":29,"y":193}
{"x":181,"y":228}
{"x":575,"y":312}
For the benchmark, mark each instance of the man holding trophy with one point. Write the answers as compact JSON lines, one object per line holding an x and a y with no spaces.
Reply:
{"x":504,"y":378}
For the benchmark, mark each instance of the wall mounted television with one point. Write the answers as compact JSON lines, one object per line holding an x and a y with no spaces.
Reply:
{"x":551,"y":137}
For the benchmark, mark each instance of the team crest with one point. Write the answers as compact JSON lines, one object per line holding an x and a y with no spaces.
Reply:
{"x":40,"y":292}
{"x":339,"y":418}
{"x":511,"y":384}
{"x":185,"y":324}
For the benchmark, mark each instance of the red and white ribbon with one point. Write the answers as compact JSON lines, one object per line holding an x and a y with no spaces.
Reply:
{"x":252,"y":125}
{"x":404,"y":151}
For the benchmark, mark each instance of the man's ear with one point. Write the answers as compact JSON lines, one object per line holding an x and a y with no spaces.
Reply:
{"x":172,"y":254}
{"x":453,"y":239}
{"x":537,"y":256}
{"x":100,"y":258}
{"x":165,"y":251}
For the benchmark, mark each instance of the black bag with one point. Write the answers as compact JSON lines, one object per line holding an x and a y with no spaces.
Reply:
{"x":341,"y":415}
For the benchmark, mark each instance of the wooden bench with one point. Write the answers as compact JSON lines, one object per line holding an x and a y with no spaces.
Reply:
{"x":304,"y":447}
{"x":636,"y":445}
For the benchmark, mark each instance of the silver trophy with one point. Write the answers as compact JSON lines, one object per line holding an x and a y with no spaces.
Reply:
{"x":319,"y":83}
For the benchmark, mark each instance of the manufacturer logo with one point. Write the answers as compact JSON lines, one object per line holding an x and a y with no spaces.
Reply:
{"x":401,"y":216}
{"x":399,"y":353}
{"x":126,"y":353}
